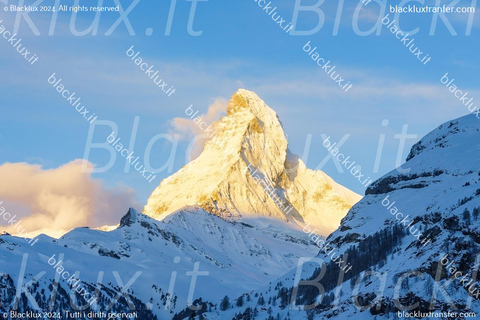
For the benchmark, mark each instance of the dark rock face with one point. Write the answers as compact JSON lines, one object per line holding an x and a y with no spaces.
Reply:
{"x":129,"y":218}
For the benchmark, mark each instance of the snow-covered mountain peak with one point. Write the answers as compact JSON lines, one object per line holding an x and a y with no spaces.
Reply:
{"x":451,"y":139}
{"x":246,"y":170}
{"x":251,"y":133}
{"x":248,"y":102}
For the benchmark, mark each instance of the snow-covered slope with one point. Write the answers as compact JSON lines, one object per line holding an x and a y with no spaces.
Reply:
{"x":257,"y":251}
{"x":232,"y":257}
{"x":394,"y":261}
{"x":246,"y":170}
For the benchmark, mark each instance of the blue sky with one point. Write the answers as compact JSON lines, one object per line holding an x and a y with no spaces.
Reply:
{"x":240,"y":47}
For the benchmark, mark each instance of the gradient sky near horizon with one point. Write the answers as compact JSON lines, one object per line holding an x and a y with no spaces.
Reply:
{"x":240,"y":47}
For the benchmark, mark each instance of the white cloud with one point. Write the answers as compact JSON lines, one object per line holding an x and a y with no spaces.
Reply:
{"x":188,"y":129}
{"x":53,"y":201}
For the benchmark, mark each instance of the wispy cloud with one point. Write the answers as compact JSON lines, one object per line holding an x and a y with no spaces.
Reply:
{"x":189,"y":129}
